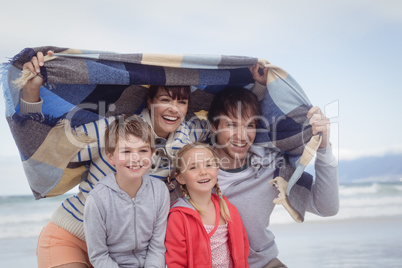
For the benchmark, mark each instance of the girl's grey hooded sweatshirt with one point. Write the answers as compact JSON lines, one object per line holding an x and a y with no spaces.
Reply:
{"x":125,"y":232}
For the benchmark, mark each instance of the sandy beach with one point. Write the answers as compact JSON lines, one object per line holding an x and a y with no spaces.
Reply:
{"x":364,"y":242}
{"x":18,"y":252}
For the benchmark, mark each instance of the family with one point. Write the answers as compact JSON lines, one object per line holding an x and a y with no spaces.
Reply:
{"x":165,"y":191}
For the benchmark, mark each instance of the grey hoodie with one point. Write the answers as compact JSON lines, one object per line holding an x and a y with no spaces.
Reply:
{"x":253,"y":197}
{"x":125,"y":232}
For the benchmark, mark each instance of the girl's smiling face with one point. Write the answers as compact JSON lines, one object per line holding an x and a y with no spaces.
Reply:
{"x":199,"y":171}
{"x":166,"y":113}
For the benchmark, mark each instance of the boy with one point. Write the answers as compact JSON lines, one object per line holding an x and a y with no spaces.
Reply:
{"x":126,"y":213}
{"x":246,"y":170}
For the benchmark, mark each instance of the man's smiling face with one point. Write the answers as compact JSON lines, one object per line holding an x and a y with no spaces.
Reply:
{"x":234,"y":136}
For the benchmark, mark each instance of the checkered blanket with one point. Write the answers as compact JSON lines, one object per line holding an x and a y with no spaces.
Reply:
{"x":82,"y":86}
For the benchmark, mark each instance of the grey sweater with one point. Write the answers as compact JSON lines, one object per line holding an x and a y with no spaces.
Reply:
{"x":253,"y":197}
{"x":125,"y":232}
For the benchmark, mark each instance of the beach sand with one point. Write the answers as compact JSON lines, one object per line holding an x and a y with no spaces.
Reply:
{"x":364,"y":242}
{"x":368,"y":242}
{"x":18,"y":252}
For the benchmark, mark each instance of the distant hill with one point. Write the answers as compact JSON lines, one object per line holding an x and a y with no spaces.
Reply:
{"x":387,"y":168}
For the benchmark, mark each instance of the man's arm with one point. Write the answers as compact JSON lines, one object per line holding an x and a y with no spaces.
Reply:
{"x":260,"y":86}
{"x":325,"y":190}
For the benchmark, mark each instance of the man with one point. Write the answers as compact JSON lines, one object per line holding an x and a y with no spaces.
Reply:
{"x":247,"y":168}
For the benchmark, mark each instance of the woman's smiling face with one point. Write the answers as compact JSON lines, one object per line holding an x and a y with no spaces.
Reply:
{"x":166,"y":113}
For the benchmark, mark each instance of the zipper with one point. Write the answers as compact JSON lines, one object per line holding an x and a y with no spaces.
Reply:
{"x":135,"y":232}
{"x":208,"y":241}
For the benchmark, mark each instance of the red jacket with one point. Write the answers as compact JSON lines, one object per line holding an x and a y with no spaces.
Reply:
{"x":187,"y":242}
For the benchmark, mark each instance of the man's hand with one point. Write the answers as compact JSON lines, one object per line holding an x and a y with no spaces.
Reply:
{"x":260,"y":78}
{"x":320,"y":124}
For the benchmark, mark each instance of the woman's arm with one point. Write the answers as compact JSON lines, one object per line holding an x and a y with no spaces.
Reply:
{"x":30,"y":92}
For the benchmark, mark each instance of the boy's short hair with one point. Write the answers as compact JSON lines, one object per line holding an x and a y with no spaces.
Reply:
{"x":127,"y":125}
{"x":226,"y":103}
{"x":175,"y":92}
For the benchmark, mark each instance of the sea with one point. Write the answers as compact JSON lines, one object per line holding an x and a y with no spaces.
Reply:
{"x":22,"y":219}
{"x":361,"y":200}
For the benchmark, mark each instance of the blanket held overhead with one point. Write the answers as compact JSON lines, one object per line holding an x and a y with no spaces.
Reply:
{"x":83,"y":86}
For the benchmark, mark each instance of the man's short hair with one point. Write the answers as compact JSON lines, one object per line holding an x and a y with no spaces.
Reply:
{"x":228,"y":101}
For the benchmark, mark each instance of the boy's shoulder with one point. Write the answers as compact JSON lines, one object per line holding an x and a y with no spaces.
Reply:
{"x":153,"y":188}
{"x":153,"y":180}
{"x":104,"y":184}
{"x":157,"y":184}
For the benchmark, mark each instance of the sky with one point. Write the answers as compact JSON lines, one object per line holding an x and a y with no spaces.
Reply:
{"x":345,"y":54}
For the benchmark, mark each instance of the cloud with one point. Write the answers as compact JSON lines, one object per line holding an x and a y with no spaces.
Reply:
{"x":388,"y":10}
{"x":12,"y":178}
{"x":181,"y":26}
{"x":351,"y":154}
{"x":329,"y":47}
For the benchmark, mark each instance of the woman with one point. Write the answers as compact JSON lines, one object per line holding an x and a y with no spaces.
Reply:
{"x":165,"y":112}
{"x":62,"y":241}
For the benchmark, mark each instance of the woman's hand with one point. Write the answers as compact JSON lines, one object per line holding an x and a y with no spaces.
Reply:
{"x":30,"y":92}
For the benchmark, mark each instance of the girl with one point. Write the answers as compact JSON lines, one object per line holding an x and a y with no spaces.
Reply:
{"x":204,"y":229}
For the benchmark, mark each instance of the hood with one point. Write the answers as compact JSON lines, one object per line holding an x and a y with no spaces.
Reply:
{"x":184,"y":206}
{"x":182,"y":202}
{"x":110,"y":182}
{"x":263,"y":156}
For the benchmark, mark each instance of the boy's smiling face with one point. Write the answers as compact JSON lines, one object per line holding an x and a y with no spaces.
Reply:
{"x":131,"y":157}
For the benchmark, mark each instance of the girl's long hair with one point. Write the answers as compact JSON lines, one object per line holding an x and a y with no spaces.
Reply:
{"x":179,"y":163}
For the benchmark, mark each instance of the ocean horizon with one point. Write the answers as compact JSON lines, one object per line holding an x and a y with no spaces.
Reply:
{"x":22,"y":219}
{"x":21,"y":216}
